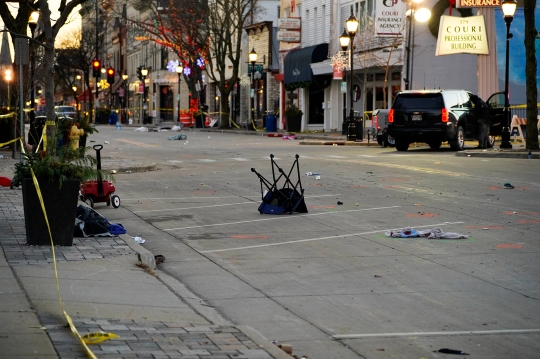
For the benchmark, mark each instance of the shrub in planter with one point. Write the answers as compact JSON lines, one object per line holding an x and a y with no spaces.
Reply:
{"x":59,"y":176}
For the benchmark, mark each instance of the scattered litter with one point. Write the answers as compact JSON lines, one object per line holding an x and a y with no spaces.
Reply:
{"x":357,"y":205}
{"x":1,"y":156}
{"x":339,"y":203}
{"x":128,"y":171}
{"x":435,"y":233}
{"x":377,"y":276}
{"x":38,"y":327}
{"x":450,"y":351}
{"x":106,"y":142}
{"x":176,"y":128}
{"x":417,"y":204}
{"x":179,"y":136}
{"x":335,"y":144}
{"x":312,"y":174}
{"x":287,"y":348}
{"x":380,"y":349}
{"x":113,"y":172}
{"x":159,"y":259}
{"x":142,"y":129}
{"x":318,"y":178}
{"x":289,"y":137}
{"x":139,"y":240}
{"x":508,"y":185}
{"x":485,"y":229}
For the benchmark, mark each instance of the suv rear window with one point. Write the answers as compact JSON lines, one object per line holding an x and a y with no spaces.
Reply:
{"x":419,"y":101}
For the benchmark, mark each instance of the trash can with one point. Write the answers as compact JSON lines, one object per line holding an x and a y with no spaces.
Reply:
{"x":271,"y":122}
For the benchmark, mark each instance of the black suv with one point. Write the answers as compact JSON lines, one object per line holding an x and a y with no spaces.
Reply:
{"x":436,"y":116}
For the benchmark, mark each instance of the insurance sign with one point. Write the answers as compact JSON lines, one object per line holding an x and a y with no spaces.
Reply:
{"x":389,"y":15}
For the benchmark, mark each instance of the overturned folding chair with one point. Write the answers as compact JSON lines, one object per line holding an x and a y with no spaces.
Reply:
{"x":289,"y":198}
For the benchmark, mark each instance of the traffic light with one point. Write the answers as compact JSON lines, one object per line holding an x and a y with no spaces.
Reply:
{"x":110,"y":75}
{"x":139,"y":73}
{"x":96,"y":68}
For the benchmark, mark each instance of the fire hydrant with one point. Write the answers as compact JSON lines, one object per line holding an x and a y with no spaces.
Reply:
{"x":74,"y":134}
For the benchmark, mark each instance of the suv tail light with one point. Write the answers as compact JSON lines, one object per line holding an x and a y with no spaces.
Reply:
{"x":391,"y":116}
{"x":376,"y":121}
{"x":444,"y":113}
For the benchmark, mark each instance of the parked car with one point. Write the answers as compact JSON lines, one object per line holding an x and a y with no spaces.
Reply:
{"x":437,"y":116}
{"x":65,"y":111}
{"x":380,"y":122}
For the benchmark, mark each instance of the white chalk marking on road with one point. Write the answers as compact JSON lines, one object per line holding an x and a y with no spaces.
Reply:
{"x":205,"y":160}
{"x":180,"y":198}
{"x":418,"y":334}
{"x":366,"y":156}
{"x":192,"y":198}
{"x":277,"y":218}
{"x":318,"y":239}
{"x":335,"y":156}
{"x":239,"y":159}
{"x":182,"y":208}
{"x":136,"y":143}
{"x":175,"y":161}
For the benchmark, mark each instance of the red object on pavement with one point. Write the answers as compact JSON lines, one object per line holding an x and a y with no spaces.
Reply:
{"x":5,"y":182}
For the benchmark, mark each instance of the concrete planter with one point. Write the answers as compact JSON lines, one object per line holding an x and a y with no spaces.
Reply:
{"x":61,"y":208}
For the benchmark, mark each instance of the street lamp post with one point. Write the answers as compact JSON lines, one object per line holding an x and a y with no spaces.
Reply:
{"x":252,"y":59}
{"x":179,"y":71}
{"x":7,"y":76}
{"x":346,"y":40}
{"x":144,"y":74}
{"x":32,"y":24}
{"x":508,"y":8}
{"x":126,"y":96}
{"x":412,"y":14}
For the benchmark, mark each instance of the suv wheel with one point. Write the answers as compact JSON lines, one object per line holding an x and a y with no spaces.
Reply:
{"x":402,"y":145}
{"x":389,"y":141}
{"x":435,"y":145}
{"x":458,"y":142}
{"x":491,"y":141}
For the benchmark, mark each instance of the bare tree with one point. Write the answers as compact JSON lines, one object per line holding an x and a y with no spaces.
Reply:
{"x":77,"y":52}
{"x":179,"y":25}
{"x":226,"y":21}
{"x":18,"y":25}
{"x":530,"y":73}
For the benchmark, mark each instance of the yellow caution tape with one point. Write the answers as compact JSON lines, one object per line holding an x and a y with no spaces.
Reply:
{"x":11,"y":114}
{"x":66,"y":315}
{"x":9,"y":142}
{"x":98,"y":337}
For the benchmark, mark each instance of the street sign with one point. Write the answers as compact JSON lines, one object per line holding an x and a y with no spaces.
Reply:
{"x":141,"y":87}
{"x":343,"y":87}
{"x":258,"y":68}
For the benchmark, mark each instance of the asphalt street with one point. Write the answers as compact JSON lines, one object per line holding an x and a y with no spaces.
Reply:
{"x":330,"y":282}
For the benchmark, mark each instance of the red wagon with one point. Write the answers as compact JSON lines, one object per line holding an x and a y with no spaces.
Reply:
{"x":94,"y":191}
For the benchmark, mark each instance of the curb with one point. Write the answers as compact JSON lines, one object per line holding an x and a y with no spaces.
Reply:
{"x":197,"y":304}
{"x":144,"y":255}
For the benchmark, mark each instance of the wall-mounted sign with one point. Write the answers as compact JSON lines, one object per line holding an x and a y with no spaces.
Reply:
{"x":478,"y":3}
{"x":389,"y":15}
{"x":462,"y":35}
{"x":338,"y":72}
{"x":289,"y":23}
{"x":288,"y":36}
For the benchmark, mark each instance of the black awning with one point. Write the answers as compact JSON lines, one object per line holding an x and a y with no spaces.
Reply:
{"x":297,"y":62}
